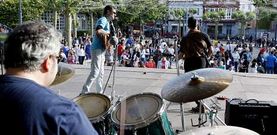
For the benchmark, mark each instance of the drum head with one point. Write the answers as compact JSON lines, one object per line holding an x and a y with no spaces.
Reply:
{"x":221,"y":130}
{"x":94,"y":105}
{"x":138,"y":110}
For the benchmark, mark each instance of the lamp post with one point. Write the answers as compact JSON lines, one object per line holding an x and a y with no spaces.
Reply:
{"x":20,"y":11}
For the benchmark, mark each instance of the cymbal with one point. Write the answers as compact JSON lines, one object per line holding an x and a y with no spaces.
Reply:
{"x":196,"y":85}
{"x":65,"y":72}
{"x":220,"y":130}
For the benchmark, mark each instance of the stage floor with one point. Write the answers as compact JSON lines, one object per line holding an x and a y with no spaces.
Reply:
{"x":131,"y":81}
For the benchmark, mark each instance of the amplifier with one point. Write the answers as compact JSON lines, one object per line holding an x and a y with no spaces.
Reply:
{"x":259,"y":116}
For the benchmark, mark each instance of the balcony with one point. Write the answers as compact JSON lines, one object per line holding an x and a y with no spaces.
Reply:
{"x":221,"y":4}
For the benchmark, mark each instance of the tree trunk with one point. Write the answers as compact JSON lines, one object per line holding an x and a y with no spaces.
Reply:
{"x":55,"y":19}
{"x":75,"y":24}
{"x":91,"y":24}
{"x":180,"y":34}
{"x":68,"y":28}
{"x":216,"y":31}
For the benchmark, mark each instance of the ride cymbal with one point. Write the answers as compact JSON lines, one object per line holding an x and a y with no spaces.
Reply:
{"x":196,"y":85}
{"x":65,"y":72}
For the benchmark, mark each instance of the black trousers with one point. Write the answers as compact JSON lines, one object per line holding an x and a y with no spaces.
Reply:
{"x":194,"y":63}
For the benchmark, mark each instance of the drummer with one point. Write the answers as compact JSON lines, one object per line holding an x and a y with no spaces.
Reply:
{"x":28,"y":107}
{"x":195,"y":50}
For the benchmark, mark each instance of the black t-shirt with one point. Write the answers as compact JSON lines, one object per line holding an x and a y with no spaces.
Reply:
{"x":30,"y":109}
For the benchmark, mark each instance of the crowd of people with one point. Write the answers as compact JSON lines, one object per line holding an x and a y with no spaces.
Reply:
{"x":133,"y":52}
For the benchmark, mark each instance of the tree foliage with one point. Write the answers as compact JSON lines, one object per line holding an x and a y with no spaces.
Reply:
{"x":215,"y":17}
{"x":9,"y":11}
{"x":243,"y":19}
{"x":140,"y":11}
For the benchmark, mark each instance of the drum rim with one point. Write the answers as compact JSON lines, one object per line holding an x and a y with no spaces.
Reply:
{"x":142,"y":123}
{"x":100,"y":117}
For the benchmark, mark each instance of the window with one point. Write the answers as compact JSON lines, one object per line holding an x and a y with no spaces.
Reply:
{"x":47,"y":17}
{"x":174,"y":29}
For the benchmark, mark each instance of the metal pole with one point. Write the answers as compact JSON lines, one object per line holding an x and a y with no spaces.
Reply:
{"x":178,"y":73}
{"x":275,"y":34}
{"x":20,"y":11}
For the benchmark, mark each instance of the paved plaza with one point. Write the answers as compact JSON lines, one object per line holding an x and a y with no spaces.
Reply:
{"x":131,"y":81}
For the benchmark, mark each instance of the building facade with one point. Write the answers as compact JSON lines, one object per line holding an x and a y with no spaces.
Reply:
{"x":227,"y":26}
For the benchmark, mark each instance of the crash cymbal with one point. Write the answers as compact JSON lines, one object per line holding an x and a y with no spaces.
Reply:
{"x":65,"y":72}
{"x":196,"y":85}
{"x":220,"y":130}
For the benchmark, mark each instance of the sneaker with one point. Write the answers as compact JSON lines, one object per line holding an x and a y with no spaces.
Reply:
{"x":196,"y":110}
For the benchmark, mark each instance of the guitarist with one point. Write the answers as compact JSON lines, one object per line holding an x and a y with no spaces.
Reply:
{"x":99,"y":45}
{"x":195,"y":48}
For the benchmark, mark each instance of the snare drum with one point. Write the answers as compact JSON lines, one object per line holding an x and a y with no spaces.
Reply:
{"x":142,"y":114}
{"x":97,"y":108}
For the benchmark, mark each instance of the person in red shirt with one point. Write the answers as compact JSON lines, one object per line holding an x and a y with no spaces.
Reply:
{"x":150,"y":63}
{"x":120,"y":50}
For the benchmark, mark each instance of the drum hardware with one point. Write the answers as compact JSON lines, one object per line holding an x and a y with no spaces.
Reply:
{"x":196,"y":85}
{"x":65,"y":72}
{"x":200,"y":118}
{"x":215,"y":104}
{"x":212,"y":114}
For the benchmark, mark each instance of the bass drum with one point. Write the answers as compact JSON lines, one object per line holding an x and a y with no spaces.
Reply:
{"x":141,"y":114}
{"x":97,"y":108}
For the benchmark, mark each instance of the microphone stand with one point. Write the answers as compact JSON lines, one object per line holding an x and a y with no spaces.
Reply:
{"x":115,"y":55}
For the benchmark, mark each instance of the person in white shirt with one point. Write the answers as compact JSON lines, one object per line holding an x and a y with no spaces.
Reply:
{"x":81,"y":54}
{"x":236,"y":58}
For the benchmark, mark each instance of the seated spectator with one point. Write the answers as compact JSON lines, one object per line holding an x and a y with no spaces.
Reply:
{"x":150,"y":63}
{"x":163,"y":63}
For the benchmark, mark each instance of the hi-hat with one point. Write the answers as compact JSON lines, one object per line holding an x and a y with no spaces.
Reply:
{"x":65,"y":72}
{"x":196,"y":85}
{"x":220,"y":130}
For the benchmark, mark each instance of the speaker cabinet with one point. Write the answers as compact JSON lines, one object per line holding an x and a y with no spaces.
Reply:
{"x":259,"y":116}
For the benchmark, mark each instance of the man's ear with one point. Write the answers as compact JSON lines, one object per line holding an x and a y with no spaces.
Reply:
{"x":45,"y":66}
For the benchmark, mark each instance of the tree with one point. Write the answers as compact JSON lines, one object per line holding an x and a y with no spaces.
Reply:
{"x":179,"y":14}
{"x":9,"y":11}
{"x":215,"y":17}
{"x":135,"y":11}
{"x":243,"y":19}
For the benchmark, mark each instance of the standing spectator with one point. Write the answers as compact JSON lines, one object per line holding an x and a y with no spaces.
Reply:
{"x":71,"y":58}
{"x":195,"y":48}
{"x":81,"y":54}
{"x":28,"y":105}
{"x":270,"y":61}
{"x":120,"y":50}
{"x":236,"y":58}
{"x":98,"y":50}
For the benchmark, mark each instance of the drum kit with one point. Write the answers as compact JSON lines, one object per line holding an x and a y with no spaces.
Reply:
{"x":146,"y":113}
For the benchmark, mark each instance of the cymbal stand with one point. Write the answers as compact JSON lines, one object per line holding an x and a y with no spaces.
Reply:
{"x":200,"y":118}
{"x":178,"y":73}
